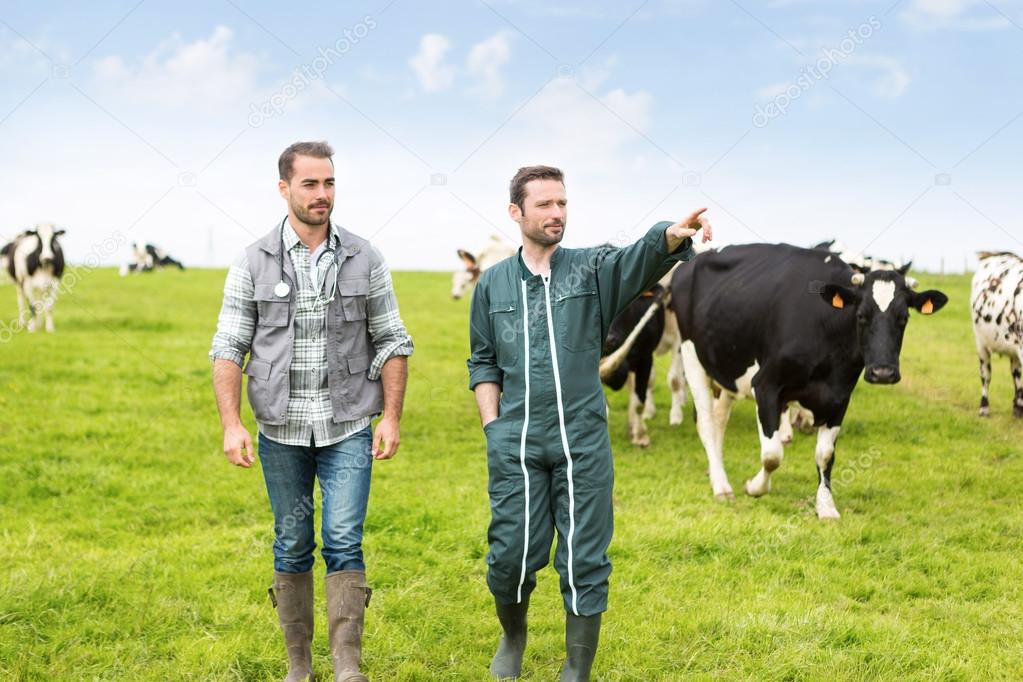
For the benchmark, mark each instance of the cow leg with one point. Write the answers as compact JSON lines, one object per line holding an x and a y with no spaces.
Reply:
{"x":771,"y":448}
{"x":677,"y":383}
{"x":825,"y":455}
{"x":19,"y":288}
{"x":702,"y":389}
{"x":1017,"y":380}
{"x":29,"y":292}
{"x":649,"y":408}
{"x":637,"y":392}
{"x":985,"y":381}
{"x":785,"y":427}
{"x":49,"y":298}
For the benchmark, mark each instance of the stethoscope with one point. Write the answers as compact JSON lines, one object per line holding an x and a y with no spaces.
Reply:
{"x":282,"y":289}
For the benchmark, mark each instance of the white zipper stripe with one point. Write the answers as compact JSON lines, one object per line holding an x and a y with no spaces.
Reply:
{"x":564,"y":445}
{"x":522,"y":443}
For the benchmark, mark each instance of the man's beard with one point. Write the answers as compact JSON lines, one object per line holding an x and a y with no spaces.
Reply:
{"x":539,"y":235}
{"x":310,"y":218}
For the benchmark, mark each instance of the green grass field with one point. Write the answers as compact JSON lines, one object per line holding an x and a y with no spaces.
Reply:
{"x":132,"y":551}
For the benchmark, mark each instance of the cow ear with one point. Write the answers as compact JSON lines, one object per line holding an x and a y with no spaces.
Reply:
{"x":928,"y":302}
{"x":904,"y":270}
{"x":467,"y":258}
{"x":839,"y":297}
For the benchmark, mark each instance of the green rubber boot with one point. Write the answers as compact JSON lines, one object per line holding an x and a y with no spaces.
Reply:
{"x":507,"y":663}
{"x":581,"y":636}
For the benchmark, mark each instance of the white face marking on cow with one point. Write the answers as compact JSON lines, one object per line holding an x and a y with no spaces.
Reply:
{"x":45,"y":232}
{"x":884,"y":294}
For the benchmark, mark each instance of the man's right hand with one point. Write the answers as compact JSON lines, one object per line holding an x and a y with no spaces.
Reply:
{"x":238,"y":446}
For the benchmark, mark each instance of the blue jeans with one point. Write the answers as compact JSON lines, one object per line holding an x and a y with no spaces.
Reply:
{"x":344,"y":471}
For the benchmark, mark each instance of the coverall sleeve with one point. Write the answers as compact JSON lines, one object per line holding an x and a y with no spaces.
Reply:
{"x":482,"y":360}
{"x":624,"y":274}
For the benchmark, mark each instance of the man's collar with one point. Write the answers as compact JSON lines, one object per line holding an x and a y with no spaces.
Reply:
{"x":291,"y":237}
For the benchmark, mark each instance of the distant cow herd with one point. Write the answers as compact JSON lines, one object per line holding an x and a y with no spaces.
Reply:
{"x":792,"y":328}
{"x":34,"y":261}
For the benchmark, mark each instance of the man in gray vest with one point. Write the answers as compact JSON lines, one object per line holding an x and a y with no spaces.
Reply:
{"x":313,"y":307}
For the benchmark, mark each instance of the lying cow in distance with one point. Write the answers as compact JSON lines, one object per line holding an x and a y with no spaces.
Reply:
{"x":148,"y":258}
{"x":35,"y":261}
{"x":779,"y":323}
{"x":464,"y":281}
{"x":997,"y":306}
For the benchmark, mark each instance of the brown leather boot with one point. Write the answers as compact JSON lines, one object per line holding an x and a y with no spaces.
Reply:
{"x":347,"y":598}
{"x":292,"y":594}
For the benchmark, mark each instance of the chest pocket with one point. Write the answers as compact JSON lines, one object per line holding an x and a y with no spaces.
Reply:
{"x":273,"y":310}
{"x":353,"y":293}
{"x":577,"y":319}
{"x":506,"y":323}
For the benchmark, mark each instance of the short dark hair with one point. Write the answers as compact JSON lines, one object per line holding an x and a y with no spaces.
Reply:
{"x":517,"y":190}
{"x":286,"y":164}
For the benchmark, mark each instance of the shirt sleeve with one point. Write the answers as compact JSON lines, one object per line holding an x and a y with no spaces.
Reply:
{"x":624,"y":274}
{"x":386,"y":330}
{"x":236,"y":323}
{"x":482,"y":362}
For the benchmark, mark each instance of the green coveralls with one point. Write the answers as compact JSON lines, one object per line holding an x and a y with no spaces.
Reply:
{"x":548,"y":452}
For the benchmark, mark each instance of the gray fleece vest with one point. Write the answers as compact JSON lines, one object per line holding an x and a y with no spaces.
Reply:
{"x":349,"y":346}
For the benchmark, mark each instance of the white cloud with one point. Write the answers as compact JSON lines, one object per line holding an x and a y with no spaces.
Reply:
{"x":485,"y":61}
{"x":769,"y":92}
{"x":204,"y":73}
{"x":970,"y":15}
{"x":892,"y":80}
{"x":434,"y":75}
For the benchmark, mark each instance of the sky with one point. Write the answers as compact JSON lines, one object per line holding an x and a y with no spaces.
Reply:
{"x":895,"y":127}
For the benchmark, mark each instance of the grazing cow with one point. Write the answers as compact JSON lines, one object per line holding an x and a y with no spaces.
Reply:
{"x":779,"y":323}
{"x":464,"y":281}
{"x":997,"y":306}
{"x":35,"y":262}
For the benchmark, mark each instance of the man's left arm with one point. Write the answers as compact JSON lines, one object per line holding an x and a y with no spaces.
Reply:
{"x":626,"y":273}
{"x":393,"y":345}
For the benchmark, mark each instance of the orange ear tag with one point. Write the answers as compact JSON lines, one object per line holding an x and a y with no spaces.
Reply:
{"x":837,"y":301}
{"x":928,"y":307}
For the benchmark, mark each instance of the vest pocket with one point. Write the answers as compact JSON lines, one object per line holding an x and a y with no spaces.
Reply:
{"x":273,"y":311}
{"x":354,"y":293}
{"x":358,"y":364}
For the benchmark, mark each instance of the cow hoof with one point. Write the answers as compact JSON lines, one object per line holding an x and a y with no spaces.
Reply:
{"x":643,"y":442}
{"x":754,"y":490}
{"x":1017,"y":411}
{"x":675,"y":419}
{"x":727,"y":496}
{"x":649,"y":414}
{"x":786,"y":441}
{"x":984,"y":412}
{"x":828,"y":514}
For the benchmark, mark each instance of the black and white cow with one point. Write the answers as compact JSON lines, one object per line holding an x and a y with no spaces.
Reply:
{"x":148,"y":258}
{"x":997,"y":306}
{"x":35,"y":261}
{"x":779,"y":323}
{"x":628,"y":356}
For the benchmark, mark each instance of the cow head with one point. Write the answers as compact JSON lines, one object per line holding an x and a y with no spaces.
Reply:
{"x":47,"y":235}
{"x":464,"y":280}
{"x":881,"y":300}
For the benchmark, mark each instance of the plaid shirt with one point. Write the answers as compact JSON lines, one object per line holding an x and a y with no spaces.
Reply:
{"x":309,"y":415}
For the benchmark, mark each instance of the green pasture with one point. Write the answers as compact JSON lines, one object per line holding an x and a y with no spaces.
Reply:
{"x":130,"y":549}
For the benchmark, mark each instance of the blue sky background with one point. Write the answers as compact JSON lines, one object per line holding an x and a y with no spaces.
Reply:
{"x":135,"y":120}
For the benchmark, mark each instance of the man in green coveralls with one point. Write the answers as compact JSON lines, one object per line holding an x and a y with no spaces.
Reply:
{"x":537,"y":327}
